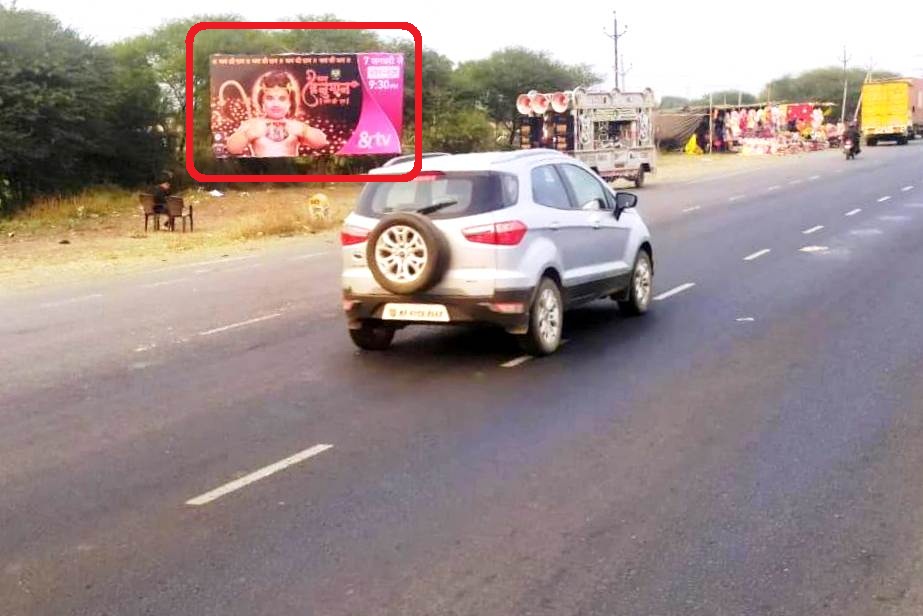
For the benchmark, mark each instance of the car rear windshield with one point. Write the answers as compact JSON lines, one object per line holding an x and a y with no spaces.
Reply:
{"x":441,"y":195}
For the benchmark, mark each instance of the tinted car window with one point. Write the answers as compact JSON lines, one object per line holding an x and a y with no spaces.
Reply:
{"x":548,"y":188}
{"x":585,"y":186}
{"x":464,"y":193}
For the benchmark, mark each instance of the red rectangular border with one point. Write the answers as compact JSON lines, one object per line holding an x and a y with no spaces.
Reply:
{"x":300,"y":25}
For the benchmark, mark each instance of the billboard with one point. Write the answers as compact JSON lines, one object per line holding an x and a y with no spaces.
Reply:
{"x":288,"y":105}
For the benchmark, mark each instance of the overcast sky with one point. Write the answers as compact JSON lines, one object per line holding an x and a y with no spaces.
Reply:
{"x":678,"y":48}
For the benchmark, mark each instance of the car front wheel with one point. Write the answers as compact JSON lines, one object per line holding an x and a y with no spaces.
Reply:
{"x":642,"y":286}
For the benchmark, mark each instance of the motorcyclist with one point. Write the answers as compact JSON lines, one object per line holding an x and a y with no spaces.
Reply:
{"x":852,"y":134}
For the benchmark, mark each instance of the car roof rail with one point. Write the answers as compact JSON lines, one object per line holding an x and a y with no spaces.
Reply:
{"x":530,"y":153}
{"x":408,"y":157}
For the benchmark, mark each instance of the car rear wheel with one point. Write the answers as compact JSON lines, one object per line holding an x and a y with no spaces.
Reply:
{"x":546,"y":320}
{"x":372,"y":336}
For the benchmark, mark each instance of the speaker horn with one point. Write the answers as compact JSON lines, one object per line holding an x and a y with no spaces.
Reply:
{"x":540,"y":103}
{"x":560,"y":101}
{"x":524,"y":104}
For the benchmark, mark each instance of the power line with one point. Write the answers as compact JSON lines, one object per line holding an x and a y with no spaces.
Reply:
{"x":624,"y":71}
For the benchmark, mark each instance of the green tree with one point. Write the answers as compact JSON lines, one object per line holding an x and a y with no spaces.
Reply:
{"x":141,"y":117}
{"x":821,"y":85}
{"x":726,"y":97}
{"x":460,"y":130}
{"x":327,"y":41}
{"x":494,"y":83}
{"x":62,"y":106}
{"x":674,"y":102}
{"x":437,"y":94}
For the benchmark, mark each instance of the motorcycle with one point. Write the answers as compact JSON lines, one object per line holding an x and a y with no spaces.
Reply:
{"x":849,"y":149}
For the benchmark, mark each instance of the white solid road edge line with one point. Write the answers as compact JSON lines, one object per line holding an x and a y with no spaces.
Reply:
{"x":201,"y":263}
{"x":854,"y":212}
{"x":73,"y":300}
{"x":812,"y":230}
{"x":163,"y":283}
{"x":308,"y":256}
{"x":757,"y":254}
{"x":241,"y":324}
{"x":676,"y":291}
{"x":264,"y":472}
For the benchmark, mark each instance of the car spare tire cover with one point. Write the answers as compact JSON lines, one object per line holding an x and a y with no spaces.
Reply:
{"x":407,"y":253}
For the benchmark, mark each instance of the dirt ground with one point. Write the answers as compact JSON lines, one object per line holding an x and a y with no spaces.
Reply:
{"x":101,"y":233}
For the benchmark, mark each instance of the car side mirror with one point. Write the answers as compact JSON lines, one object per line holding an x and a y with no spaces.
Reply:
{"x":624,"y":201}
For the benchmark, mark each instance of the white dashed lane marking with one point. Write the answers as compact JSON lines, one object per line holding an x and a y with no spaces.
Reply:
{"x":516,"y":362}
{"x":262,"y":473}
{"x":241,"y":324}
{"x":674,"y":291}
{"x":757,"y":254}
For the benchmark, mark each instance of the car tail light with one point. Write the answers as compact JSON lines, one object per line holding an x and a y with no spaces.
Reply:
{"x":499,"y":234}
{"x":353,"y":235}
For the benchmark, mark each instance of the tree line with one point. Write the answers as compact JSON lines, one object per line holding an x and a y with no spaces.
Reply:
{"x":75,"y":113}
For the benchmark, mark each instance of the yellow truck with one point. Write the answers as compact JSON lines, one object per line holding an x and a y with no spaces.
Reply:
{"x":892,"y":110}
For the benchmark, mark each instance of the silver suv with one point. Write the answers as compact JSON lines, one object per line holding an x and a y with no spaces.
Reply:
{"x":509,"y":238}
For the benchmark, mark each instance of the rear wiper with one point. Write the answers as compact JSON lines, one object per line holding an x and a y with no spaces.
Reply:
{"x":438,"y":205}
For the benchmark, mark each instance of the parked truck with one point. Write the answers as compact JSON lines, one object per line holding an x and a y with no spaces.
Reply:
{"x":611,"y":131}
{"x":892,"y":110}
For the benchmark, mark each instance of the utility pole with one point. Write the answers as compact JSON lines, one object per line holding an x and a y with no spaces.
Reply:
{"x":868,"y":77}
{"x":615,"y":36}
{"x":845,"y":86}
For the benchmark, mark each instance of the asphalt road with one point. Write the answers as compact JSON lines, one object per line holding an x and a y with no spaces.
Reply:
{"x":752,"y":446}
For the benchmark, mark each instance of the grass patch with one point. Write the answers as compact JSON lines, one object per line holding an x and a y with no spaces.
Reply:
{"x":104,"y":230}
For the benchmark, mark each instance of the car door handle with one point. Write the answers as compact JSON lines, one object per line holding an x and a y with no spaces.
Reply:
{"x":595,"y":222}
{"x":554,"y":226}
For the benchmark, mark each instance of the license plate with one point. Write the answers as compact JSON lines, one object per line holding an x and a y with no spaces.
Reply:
{"x":436,"y":313}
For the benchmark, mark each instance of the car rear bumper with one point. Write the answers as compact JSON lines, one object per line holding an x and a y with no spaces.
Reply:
{"x":507,"y":309}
